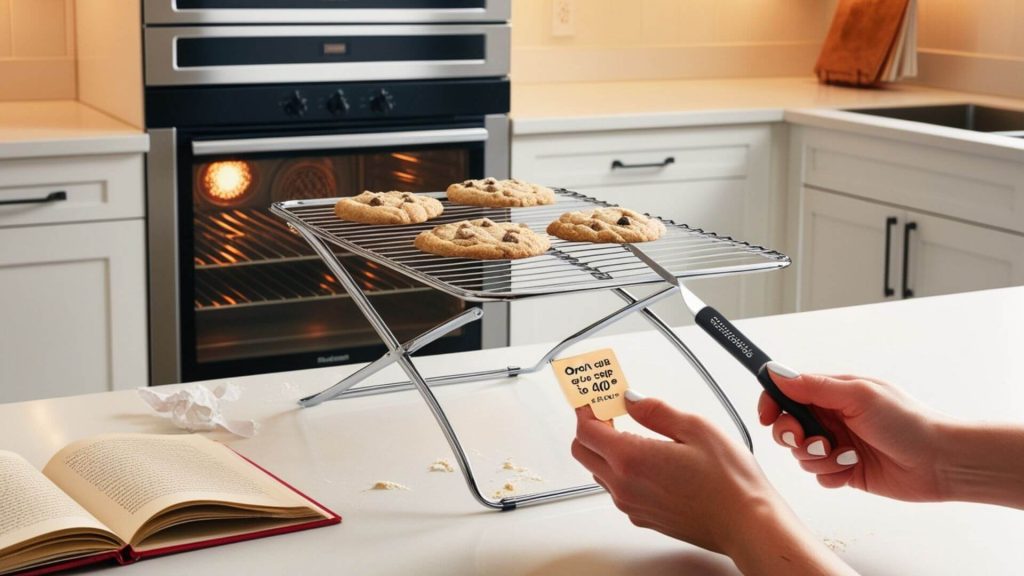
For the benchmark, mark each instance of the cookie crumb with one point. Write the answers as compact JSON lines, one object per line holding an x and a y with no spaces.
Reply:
{"x":835,"y":545}
{"x":441,"y":465}
{"x":508,"y":464}
{"x":389,"y":485}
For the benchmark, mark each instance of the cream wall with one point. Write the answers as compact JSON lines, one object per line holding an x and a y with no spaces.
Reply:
{"x":975,"y":45}
{"x":37,"y":49}
{"x":656,"y":39}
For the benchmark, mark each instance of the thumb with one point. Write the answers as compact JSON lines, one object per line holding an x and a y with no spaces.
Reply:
{"x":659,"y":417}
{"x":820,"y":390}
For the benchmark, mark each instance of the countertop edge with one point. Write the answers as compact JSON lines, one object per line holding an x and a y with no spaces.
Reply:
{"x":76,"y":146}
{"x":643,"y":121}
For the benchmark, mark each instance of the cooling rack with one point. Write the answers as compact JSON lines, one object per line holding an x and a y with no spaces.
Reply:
{"x":568,"y":267}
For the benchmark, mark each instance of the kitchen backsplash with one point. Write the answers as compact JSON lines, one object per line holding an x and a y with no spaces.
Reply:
{"x":976,"y":45}
{"x":665,"y":39}
{"x":37,"y":49}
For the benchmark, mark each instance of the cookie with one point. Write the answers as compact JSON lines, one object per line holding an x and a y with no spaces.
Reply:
{"x":388,"y":208}
{"x":606,"y":225}
{"x":483,"y":239}
{"x":494,"y":193}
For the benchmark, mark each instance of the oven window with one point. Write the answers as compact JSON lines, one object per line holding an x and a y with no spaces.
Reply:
{"x":262,"y":300}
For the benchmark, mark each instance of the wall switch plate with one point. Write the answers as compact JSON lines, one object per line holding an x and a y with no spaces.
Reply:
{"x":563,"y":18}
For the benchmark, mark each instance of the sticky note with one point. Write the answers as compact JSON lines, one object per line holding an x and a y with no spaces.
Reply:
{"x":596,"y":379}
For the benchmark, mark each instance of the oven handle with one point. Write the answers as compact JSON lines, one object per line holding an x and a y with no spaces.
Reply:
{"x":337,"y":141}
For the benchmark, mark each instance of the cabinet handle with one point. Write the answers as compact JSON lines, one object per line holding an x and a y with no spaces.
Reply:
{"x":51,"y":197}
{"x":907,"y":229}
{"x":890,"y":223}
{"x":619,"y":165}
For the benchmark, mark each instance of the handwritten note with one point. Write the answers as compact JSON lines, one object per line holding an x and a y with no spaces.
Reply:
{"x":596,"y":379}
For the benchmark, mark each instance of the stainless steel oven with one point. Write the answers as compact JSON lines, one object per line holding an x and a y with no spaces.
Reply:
{"x":324,"y":11}
{"x":253,"y":115}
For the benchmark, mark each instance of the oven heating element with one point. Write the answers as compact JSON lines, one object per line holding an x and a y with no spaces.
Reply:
{"x":568,"y":267}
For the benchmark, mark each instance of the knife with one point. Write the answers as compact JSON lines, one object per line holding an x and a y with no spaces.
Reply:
{"x":742,"y":348}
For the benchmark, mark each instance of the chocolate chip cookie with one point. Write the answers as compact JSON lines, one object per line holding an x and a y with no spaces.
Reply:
{"x":483,"y":239}
{"x":606,"y":225}
{"x":494,"y":193}
{"x":388,"y":208}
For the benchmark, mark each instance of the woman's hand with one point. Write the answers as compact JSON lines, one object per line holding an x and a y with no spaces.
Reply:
{"x":891,"y":445}
{"x":700,"y":487}
{"x":887,"y":443}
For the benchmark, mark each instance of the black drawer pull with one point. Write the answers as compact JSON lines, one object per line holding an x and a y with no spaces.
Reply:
{"x":51,"y":197}
{"x":890,"y":223}
{"x":907,"y":229}
{"x":619,"y":165}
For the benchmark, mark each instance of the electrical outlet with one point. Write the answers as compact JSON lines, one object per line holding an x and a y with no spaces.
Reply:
{"x":563,"y":17}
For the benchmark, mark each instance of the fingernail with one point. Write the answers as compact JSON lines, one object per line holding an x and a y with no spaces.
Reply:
{"x":848,"y":458}
{"x":782,"y":370}
{"x":789,"y":438}
{"x":817,"y":448}
{"x":634,"y":396}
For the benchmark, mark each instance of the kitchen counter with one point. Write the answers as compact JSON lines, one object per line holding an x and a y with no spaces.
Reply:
{"x":335,"y":452}
{"x":64,"y":128}
{"x":581,"y":107}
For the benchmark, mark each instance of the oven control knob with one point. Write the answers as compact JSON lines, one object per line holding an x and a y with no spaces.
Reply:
{"x":383,"y":102}
{"x":296,"y":104}
{"x":338,"y":104}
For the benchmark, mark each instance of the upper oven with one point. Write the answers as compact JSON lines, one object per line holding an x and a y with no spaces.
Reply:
{"x":210,"y":55}
{"x":324,"y":11}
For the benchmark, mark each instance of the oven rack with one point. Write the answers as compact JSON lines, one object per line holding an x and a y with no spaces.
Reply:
{"x":568,"y":267}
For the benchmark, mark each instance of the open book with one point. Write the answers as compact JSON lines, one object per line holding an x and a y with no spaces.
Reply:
{"x":125,"y":497}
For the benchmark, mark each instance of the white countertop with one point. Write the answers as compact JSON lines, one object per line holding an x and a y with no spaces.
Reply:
{"x":64,"y":128}
{"x":590,"y":106}
{"x":957,"y":353}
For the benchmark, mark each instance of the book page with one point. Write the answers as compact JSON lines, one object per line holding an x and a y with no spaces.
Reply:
{"x":127,"y":479}
{"x":32,"y":507}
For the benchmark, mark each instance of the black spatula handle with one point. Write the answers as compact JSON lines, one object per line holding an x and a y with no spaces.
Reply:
{"x":736,"y":343}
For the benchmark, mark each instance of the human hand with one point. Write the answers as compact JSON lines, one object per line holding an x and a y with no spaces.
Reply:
{"x":698,"y":486}
{"x":887,"y":443}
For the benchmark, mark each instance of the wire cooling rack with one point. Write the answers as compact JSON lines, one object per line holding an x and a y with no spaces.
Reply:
{"x":567,"y":267}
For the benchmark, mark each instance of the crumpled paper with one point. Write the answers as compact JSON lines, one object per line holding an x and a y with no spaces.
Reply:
{"x":198,"y":408}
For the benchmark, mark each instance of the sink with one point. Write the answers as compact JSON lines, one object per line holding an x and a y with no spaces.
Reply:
{"x":964,"y":116}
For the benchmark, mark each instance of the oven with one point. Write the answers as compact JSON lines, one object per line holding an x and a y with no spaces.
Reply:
{"x":243,"y":116}
{"x":324,"y":11}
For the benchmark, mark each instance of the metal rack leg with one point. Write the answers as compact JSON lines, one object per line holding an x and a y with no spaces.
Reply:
{"x":683,"y":349}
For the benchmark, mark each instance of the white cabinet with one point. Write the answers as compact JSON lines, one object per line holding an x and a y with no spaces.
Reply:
{"x":72,"y":277}
{"x":882,"y":220}
{"x":719,"y":179}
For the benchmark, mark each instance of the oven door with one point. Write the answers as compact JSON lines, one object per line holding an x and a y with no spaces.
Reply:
{"x":221,"y":55}
{"x":234,"y":292}
{"x":324,"y":11}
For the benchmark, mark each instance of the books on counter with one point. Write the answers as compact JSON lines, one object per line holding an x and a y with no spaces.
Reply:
{"x":125,"y":497}
{"x":870,"y":42}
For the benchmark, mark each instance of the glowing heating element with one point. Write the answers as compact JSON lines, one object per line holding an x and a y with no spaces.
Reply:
{"x":227,"y":181}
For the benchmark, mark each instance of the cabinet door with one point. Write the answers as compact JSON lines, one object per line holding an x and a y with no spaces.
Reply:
{"x":76,"y":295}
{"x":844,"y":251}
{"x":946,"y":256}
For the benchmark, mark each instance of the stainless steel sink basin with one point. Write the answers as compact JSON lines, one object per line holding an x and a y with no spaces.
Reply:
{"x":964,"y":116}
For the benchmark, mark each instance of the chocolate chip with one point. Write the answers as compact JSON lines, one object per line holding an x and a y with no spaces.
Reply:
{"x":623,"y":221}
{"x":486,"y":223}
{"x":375,"y":202}
{"x":510,"y":237}
{"x":464,"y":233}
{"x":596,"y":226}
{"x":469,"y":184}
{"x":409,"y":201}
{"x":491,"y":188}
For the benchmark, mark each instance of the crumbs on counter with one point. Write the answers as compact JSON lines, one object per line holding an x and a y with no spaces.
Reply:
{"x":509,"y":489}
{"x":508,"y":464}
{"x":522,"y":472}
{"x":835,"y":545}
{"x":441,"y":465}
{"x":389,"y":485}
